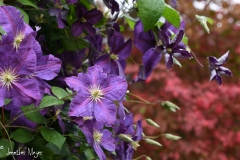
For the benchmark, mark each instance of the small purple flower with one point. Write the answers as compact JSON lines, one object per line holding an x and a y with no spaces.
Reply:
{"x":58,"y":12}
{"x":85,"y":20}
{"x":114,"y":61}
{"x":216,"y":68}
{"x":124,"y":150}
{"x":96,"y":93}
{"x":153,"y":50}
{"x":97,"y":136}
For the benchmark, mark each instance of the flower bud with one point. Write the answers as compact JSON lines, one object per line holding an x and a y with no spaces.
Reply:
{"x":170,"y":106}
{"x":172,"y":137}
{"x":152,"y":123}
{"x":150,"y":141}
{"x":126,"y":137}
{"x":148,"y":158}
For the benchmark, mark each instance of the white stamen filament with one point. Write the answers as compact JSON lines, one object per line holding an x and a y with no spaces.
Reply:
{"x":95,"y":93}
{"x":97,"y":136}
{"x":8,"y":77}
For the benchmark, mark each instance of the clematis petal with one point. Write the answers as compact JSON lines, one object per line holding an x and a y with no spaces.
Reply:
{"x":181,"y":53}
{"x":218,"y":78}
{"x":213,"y":74}
{"x":25,"y":91}
{"x":99,"y":151}
{"x":177,"y":39}
{"x":77,"y":83}
{"x":144,"y":41}
{"x":124,"y":50}
{"x":2,"y":96}
{"x":116,"y":89}
{"x":105,"y":112}
{"x":77,"y":28}
{"x":168,"y":61}
{"x":224,"y":71}
{"x":223,"y":58}
{"x":71,"y":1}
{"x":81,"y":106}
{"x":93,"y":16}
{"x":164,"y":38}
{"x":89,"y":28}
{"x":121,"y":112}
{"x":107,"y":140}
{"x":48,"y":67}
{"x":104,"y":62}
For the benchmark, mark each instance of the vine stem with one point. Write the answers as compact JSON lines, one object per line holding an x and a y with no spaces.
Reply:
{"x":3,"y":122}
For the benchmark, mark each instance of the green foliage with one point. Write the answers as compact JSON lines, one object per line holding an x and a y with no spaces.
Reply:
{"x":52,"y":136}
{"x":74,"y":44}
{"x":32,"y":113}
{"x":49,"y":101}
{"x":59,"y":93}
{"x":6,"y":147}
{"x":203,"y":21}
{"x":150,"y":11}
{"x":28,"y":3}
{"x":171,"y":15}
{"x":22,"y":135}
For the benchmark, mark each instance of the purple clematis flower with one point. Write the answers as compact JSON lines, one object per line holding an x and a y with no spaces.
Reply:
{"x":154,"y":50}
{"x":97,"y":136}
{"x":85,"y":20}
{"x":112,"y":4}
{"x":58,"y":12}
{"x":114,"y":62}
{"x":23,"y":69}
{"x":216,"y":68}
{"x":96,"y":93}
{"x":124,"y":149}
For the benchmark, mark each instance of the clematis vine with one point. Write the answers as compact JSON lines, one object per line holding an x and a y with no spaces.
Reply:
{"x":217,"y":69}
{"x":96,"y":93}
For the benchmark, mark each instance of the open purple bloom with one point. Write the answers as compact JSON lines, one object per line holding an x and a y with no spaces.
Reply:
{"x":217,"y":69}
{"x":96,"y":93}
{"x":154,"y":50}
{"x":114,"y":61}
{"x":112,"y":4}
{"x":85,"y":20}
{"x":97,"y":136}
{"x":22,"y":66}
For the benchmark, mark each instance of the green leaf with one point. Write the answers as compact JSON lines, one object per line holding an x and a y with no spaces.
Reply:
{"x":203,"y":21}
{"x":1,"y":3}
{"x":74,"y":44}
{"x":48,"y":101}
{"x":64,"y":151}
{"x":2,"y":32}
{"x":90,"y":154}
{"x":32,"y":113}
{"x":7,"y":101}
{"x":171,"y":15}
{"x":22,"y":135}
{"x":24,"y":14}
{"x":52,"y":136}
{"x":6,"y":146}
{"x":28,"y":3}
{"x":59,"y":92}
{"x":150,"y":11}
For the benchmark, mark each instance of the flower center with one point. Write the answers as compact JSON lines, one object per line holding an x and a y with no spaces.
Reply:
{"x":216,"y":68}
{"x":18,"y":39}
{"x":97,"y":136}
{"x":87,"y":118}
{"x":169,"y":50}
{"x":96,"y":93}
{"x":83,"y":20}
{"x":7,"y":77}
{"x":114,"y":57}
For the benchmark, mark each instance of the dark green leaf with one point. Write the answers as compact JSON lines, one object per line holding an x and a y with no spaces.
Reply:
{"x":32,"y":113}
{"x":28,"y":3}
{"x":59,"y":92}
{"x":52,"y":136}
{"x":171,"y":15}
{"x":74,"y":44}
{"x":150,"y":11}
{"x":22,"y":135}
{"x":6,"y":146}
{"x":6,"y":101}
{"x":64,"y":151}
{"x":90,"y":154}
{"x":48,"y":101}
